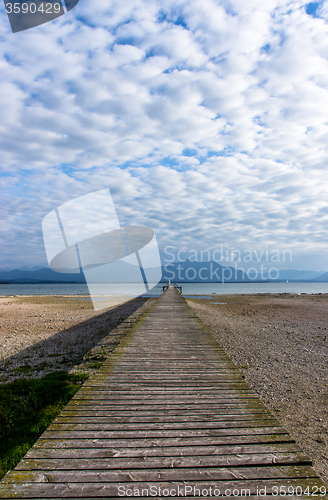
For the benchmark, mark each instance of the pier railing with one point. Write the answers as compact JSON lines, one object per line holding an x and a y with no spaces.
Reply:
{"x":179,"y":288}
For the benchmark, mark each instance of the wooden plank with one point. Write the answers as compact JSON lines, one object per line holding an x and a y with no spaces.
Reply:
{"x":208,"y":361}
{"x":121,"y":387}
{"x":173,"y":377}
{"x":228,"y":399}
{"x":221,"y":393}
{"x":162,"y":426}
{"x":136,"y":388}
{"x":172,"y":451}
{"x":163,"y":474}
{"x":126,"y":390}
{"x":105,"y":434}
{"x":84,"y":442}
{"x":153,"y":416}
{"x":196,"y":371}
{"x":162,"y":403}
{"x":157,"y":416}
{"x":108,"y":490}
{"x":158,"y":409}
{"x":79,"y":463}
{"x":81,"y":417}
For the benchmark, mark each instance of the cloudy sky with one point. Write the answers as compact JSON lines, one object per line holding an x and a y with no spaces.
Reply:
{"x":207,"y":119}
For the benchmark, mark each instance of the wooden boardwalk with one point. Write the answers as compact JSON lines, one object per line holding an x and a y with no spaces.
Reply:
{"x":167,"y":411}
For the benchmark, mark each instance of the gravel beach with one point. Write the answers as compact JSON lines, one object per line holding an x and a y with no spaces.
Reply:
{"x":280,"y":343}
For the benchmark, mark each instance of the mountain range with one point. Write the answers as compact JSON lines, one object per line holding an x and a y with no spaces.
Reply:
{"x":185,"y":272}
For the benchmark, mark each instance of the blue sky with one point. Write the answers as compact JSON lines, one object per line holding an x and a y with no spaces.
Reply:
{"x":208,"y":121}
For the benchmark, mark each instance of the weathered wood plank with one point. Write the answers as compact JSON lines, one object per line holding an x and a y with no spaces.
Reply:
{"x":81,"y":417}
{"x":170,"y":451}
{"x":161,"y":407}
{"x":131,"y":388}
{"x":170,"y":416}
{"x":239,"y":400}
{"x":221,"y":395}
{"x":85,"y":442}
{"x":128,"y":388}
{"x":162,"y":426}
{"x":136,"y":390}
{"x":163,"y":474}
{"x":158,"y":462}
{"x":243,"y":431}
{"x":182,"y":373}
{"x":173,"y":378}
{"x":202,"y":390}
{"x":109,"y":490}
{"x":158,"y":410}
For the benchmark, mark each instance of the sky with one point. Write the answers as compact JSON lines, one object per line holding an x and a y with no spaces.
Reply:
{"x":207,"y":120}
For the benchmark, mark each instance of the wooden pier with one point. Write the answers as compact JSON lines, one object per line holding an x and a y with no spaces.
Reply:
{"x":168,"y":414}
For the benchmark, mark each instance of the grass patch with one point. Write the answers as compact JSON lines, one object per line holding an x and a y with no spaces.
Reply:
{"x":22,"y":369}
{"x":96,"y":366}
{"x":27,"y":408}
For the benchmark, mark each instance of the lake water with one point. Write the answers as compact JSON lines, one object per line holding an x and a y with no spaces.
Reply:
{"x":239,"y":288}
{"x":188,"y":289}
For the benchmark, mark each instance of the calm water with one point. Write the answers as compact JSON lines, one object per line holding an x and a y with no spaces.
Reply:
{"x":239,"y":288}
{"x":187,"y":288}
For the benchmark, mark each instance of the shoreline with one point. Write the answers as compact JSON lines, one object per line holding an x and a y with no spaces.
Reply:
{"x":295,"y":287}
{"x":185,"y":296}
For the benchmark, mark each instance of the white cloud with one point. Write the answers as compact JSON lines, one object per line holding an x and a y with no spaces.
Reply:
{"x":207,"y":120}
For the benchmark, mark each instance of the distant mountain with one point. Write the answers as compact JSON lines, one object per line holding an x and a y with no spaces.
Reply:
{"x":322,"y":277}
{"x":26,"y":268}
{"x":192,"y":272}
{"x":201,"y":272}
{"x":184,"y":272}
{"x":213,"y":272}
{"x":39,"y":275}
{"x":295,"y":275}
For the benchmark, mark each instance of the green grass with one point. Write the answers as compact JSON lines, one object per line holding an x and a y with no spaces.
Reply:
{"x":96,"y":366}
{"x":27,"y":407}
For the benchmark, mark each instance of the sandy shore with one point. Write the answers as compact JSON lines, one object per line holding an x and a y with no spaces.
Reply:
{"x":280,"y":343}
{"x":39,"y":334}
